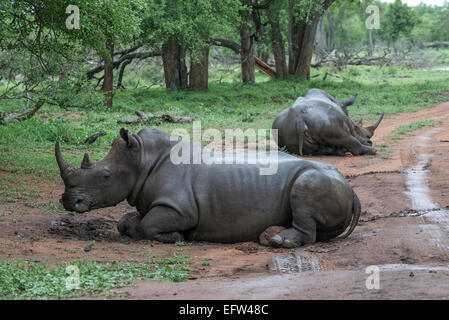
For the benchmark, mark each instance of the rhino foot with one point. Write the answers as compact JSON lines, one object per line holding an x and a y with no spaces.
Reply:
{"x":288,"y":238}
{"x":129,"y":225}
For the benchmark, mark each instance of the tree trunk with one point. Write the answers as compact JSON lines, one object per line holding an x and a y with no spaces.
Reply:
{"x":183,"y":75}
{"x":301,"y":40}
{"x":320,"y":41}
{"x":305,"y":57}
{"x":277,"y":45}
{"x":370,"y":42}
{"x":108,"y":81}
{"x":331,"y":33}
{"x":199,"y":71}
{"x":175,"y":69}
{"x":247,"y":49}
{"x":301,"y":46}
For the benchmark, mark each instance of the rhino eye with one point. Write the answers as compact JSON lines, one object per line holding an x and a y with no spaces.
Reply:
{"x":106,"y":174}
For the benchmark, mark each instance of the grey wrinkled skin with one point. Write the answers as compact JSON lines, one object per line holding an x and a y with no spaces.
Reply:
{"x":318,"y":124}
{"x":210,"y":202}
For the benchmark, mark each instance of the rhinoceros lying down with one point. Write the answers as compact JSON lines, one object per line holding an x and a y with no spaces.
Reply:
{"x":318,"y":124}
{"x":210,"y":202}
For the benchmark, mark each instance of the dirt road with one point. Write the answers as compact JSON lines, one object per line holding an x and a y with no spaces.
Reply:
{"x":403,"y":231}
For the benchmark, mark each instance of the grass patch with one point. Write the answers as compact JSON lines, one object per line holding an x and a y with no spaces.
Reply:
{"x":36,"y":280}
{"x":28,"y":147}
{"x":413,"y":126}
{"x":206,"y":262}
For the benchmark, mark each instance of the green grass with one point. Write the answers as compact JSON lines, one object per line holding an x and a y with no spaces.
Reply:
{"x":400,"y":132}
{"x":206,"y":262}
{"x":36,"y":280}
{"x":28,"y":147}
{"x":413,"y":126}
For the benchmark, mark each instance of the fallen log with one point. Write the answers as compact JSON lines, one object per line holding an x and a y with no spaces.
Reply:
{"x":234,"y":46}
{"x":142,"y":117}
{"x":94,"y":137}
{"x":26,"y":114}
{"x":264,"y":68}
{"x":327,"y":73}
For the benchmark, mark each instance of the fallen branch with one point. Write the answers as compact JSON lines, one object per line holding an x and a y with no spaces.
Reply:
{"x":327,"y":73}
{"x":234,"y":46}
{"x":94,"y":137}
{"x":142,"y":117}
{"x":26,"y":114}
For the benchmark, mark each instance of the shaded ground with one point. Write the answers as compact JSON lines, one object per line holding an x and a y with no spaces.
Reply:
{"x":390,"y":233}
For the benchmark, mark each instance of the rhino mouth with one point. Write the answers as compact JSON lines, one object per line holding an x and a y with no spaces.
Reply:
{"x":77,"y":203}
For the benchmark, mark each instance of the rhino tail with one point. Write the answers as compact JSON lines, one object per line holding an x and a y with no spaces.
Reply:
{"x":356,"y":209}
{"x":300,"y":130}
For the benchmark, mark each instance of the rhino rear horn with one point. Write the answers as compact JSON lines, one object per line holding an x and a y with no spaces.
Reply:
{"x":86,"y":164}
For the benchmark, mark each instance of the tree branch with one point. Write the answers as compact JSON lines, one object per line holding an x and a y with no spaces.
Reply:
{"x":117,"y":63}
{"x":234,"y":46}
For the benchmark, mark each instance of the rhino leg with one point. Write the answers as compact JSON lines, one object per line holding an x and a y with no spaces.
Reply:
{"x":165,"y":225}
{"x":318,"y":201}
{"x":352,"y":145}
{"x":129,"y":225}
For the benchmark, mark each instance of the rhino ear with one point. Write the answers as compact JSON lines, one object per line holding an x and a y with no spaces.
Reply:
{"x":125,"y":136}
{"x":359,"y":123}
{"x":349,"y":101}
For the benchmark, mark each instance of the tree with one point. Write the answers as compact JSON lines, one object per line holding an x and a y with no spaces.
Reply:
{"x":38,"y":29}
{"x":399,"y":20}
{"x":275,"y":15}
{"x":106,"y":25}
{"x":247,"y":43}
{"x":303,"y":21}
{"x":183,"y":30}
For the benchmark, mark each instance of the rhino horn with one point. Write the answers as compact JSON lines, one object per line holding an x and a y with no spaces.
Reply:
{"x":374,"y":126}
{"x":86,"y":164}
{"x":63,"y":165}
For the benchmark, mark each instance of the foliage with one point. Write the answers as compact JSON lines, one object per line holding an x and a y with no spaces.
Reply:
{"x":27,"y":147}
{"x":399,"y":20}
{"x":192,"y":23}
{"x":36,"y":280}
{"x":413,"y":126}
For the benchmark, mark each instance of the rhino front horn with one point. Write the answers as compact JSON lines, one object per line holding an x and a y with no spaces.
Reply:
{"x":63,"y":165}
{"x":86,"y":164}
{"x":374,"y":126}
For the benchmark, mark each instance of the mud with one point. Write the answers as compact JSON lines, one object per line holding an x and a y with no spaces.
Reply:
{"x":403,"y":230}
{"x":84,"y":229}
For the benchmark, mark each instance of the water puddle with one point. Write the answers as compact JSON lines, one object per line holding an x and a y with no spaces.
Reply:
{"x":411,"y":267}
{"x":418,"y":190}
{"x":418,"y":193}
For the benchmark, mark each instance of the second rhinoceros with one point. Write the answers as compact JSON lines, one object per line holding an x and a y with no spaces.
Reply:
{"x":318,"y":124}
{"x":210,"y":202}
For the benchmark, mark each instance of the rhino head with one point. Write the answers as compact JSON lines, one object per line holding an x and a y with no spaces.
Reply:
{"x":364,"y":134}
{"x":101,"y":184}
